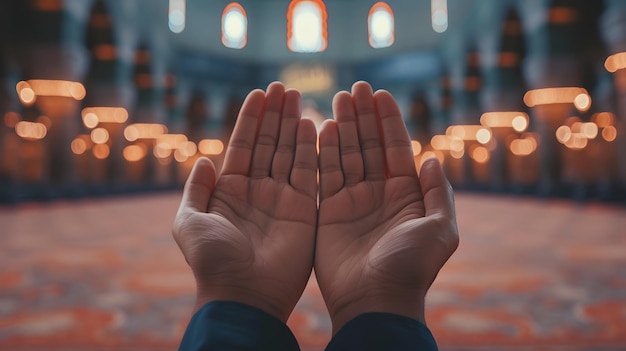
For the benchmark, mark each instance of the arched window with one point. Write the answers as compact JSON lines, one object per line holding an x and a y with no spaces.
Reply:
{"x":176,"y":16}
{"x":439,"y":15}
{"x":306,"y":26}
{"x":234,"y":26}
{"x":380,"y":26}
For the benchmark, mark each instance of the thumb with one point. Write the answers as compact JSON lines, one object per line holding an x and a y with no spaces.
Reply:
{"x":438,"y":197}
{"x":199,"y":186}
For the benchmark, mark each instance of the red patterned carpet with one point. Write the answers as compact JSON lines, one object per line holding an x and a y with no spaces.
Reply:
{"x":106,"y":275}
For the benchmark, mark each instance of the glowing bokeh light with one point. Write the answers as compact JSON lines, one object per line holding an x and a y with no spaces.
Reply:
{"x":609,"y":133}
{"x":563,"y":134}
{"x":480,"y":154}
{"x":78,"y":146}
{"x":615,"y":62}
{"x":90,"y":120}
{"x":211,"y":147}
{"x":134,"y":153}
{"x":234,"y":26}
{"x":439,"y":15}
{"x":380,"y":25}
{"x":101,"y":151}
{"x":31,"y":130}
{"x":603,"y":119}
{"x":561,"y":95}
{"x":483,"y":136}
{"x":582,"y":102}
{"x":144,"y":131}
{"x":176,"y":16}
{"x":307,"y":31}
{"x":99,"y":136}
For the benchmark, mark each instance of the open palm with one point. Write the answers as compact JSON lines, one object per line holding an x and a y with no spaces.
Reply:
{"x":249,"y":235}
{"x":383,"y":232}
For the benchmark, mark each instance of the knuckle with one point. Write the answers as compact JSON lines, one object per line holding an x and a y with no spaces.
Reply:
{"x":266,"y":139}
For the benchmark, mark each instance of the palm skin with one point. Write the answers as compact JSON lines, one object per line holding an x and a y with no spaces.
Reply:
{"x":383,"y":232}
{"x":249,"y":235}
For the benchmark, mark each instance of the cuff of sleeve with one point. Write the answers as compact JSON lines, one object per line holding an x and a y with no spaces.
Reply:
{"x":228,"y":325}
{"x":383,"y":331}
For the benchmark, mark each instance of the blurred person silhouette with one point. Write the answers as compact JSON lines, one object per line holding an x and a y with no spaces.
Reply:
{"x":253,"y":233}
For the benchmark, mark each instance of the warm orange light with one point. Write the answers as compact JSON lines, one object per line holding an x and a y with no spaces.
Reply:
{"x":188,"y":148}
{"x":307,"y":26}
{"x":417,"y":147}
{"x":615,"y":62}
{"x":582,"y":102}
{"x":483,"y":136}
{"x":90,"y":120}
{"x":470,"y":133}
{"x":211,"y":146}
{"x":144,"y":131}
{"x":609,"y":133}
{"x":525,"y":145}
{"x":99,"y":136}
{"x":562,"y":15}
{"x":172,"y":141}
{"x":520,"y":123}
{"x":134,"y":153}
{"x":11,"y":118}
{"x":589,"y":130}
{"x":101,"y":151}
{"x":509,"y":119}
{"x":563,"y":134}
{"x":457,"y":154}
{"x":25,"y":92}
{"x":603,"y":119}
{"x":508,"y":59}
{"x":577,"y":142}
{"x":105,"y":52}
{"x":43,"y":87}
{"x":79,"y":146}
{"x":47,"y":5}
{"x":555,"y":96}
{"x":31,"y":130}
{"x":179,"y":156}
{"x":480,"y":154}
{"x":104,"y":115}
{"x":161,"y":151}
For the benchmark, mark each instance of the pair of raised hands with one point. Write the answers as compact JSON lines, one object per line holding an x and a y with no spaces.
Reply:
{"x":377,"y":239}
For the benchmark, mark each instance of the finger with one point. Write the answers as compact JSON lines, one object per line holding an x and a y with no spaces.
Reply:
{"x":438,"y":196}
{"x":304,"y":172}
{"x":239,"y":151}
{"x":369,"y":131}
{"x":349,"y":148}
{"x":398,"y":150}
{"x":199,"y":186}
{"x":267,"y":136}
{"x":283,"y":157}
{"x":331,"y":175}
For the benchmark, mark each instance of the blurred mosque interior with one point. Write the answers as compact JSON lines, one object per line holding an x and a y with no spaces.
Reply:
{"x":523,"y":101}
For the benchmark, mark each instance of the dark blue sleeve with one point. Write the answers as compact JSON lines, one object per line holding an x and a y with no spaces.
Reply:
{"x":229,"y":326}
{"x":382,"y":331}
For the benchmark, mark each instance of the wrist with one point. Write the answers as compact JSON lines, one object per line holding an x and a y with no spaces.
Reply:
{"x":244,"y":296}
{"x":411,"y":306}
